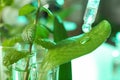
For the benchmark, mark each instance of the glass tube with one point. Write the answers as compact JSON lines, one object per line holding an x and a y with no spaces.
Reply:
{"x":90,"y":14}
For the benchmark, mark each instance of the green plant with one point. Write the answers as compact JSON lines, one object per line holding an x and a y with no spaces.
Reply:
{"x":59,"y":51}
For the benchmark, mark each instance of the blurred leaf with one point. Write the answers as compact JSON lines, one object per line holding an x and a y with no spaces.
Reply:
{"x":29,"y":33}
{"x":14,"y":30}
{"x":26,"y":9}
{"x":65,"y":12}
{"x":59,"y":30}
{"x":41,"y":32}
{"x":46,"y":43}
{"x":1,"y":7}
{"x":77,"y":46}
{"x":12,"y":56}
{"x":46,"y":10}
{"x":6,"y":2}
{"x":12,"y":41}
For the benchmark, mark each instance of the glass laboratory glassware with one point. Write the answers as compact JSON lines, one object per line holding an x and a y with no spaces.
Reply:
{"x":90,"y":14}
{"x":116,"y":59}
{"x":21,"y":70}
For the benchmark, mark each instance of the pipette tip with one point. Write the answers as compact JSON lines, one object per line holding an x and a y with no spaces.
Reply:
{"x":86,"y":28}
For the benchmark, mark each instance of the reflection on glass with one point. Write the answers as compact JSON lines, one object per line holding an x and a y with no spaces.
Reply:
{"x":116,"y":59}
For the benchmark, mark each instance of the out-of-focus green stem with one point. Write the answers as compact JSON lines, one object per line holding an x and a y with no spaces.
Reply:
{"x":30,"y":48}
{"x":28,"y":62}
{"x":37,"y":13}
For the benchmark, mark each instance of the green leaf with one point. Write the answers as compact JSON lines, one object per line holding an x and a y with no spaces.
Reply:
{"x":60,"y":34}
{"x":6,"y":2}
{"x":46,"y":43}
{"x":46,"y":10}
{"x":12,"y":41}
{"x":12,"y":56}
{"x":29,"y":33}
{"x":41,"y":32}
{"x":77,"y":46}
{"x":59,"y":30}
{"x":26,"y":9}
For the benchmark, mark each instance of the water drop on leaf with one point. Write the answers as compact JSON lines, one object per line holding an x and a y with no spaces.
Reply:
{"x":85,"y":40}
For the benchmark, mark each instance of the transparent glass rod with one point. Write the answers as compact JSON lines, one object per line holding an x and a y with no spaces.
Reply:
{"x":90,"y":15}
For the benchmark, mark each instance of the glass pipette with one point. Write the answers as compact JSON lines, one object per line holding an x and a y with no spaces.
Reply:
{"x":90,"y":15}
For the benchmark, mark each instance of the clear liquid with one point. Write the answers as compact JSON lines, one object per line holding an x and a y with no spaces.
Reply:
{"x":90,"y":15}
{"x":93,"y":3}
{"x":89,"y":18}
{"x":86,"y":28}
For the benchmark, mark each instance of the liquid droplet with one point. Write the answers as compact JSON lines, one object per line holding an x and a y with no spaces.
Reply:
{"x":86,"y":28}
{"x":86,"y":39}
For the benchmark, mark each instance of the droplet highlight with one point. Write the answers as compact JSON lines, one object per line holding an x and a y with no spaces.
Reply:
{"x":85,"y":40}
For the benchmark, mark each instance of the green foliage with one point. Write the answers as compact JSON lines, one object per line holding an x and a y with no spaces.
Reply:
{"x":77,"y":46}
{"x":59,"y":30}
{"x":60,"y":51}
{"x":41,"y":32}
{"x":26,"y":9}
{"x":65,"y":12}
{"x":12,"y":55}
{"x":47,"y":10}
{"x":5,"y":2}
{"x":46,"y":43}
{"x":59,"y":35}
{"x":12,"y":41}
{"x":28,"y":34}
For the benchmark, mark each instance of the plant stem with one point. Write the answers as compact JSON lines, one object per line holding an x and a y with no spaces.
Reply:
{"x":30,"y":48}
{"x":37,"y":14}
{"x":28,"y":62}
